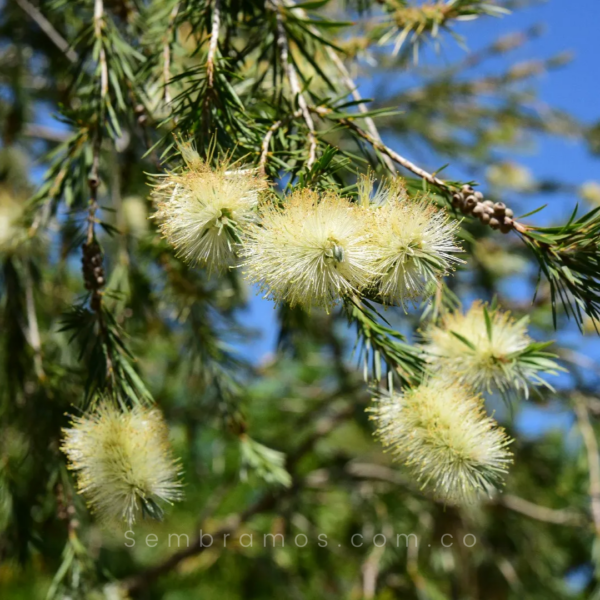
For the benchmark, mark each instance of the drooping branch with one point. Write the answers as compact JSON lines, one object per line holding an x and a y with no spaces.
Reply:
{"x":349,"y":83}
{"x":568,"y":255}
{"x":214,"y":39}
{"x":292,"y":78}
{"x":167,"y":55}
{"x":98,"y":27}
{"x":407,"y":164}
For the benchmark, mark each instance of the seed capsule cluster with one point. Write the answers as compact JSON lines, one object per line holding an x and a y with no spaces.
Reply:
{"x":494,"y":214}
{"x":93,"y":271}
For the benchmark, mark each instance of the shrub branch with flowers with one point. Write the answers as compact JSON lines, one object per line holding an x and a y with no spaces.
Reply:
{"x":211,"y":149}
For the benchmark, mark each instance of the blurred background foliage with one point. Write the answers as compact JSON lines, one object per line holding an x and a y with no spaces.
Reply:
{"x":91,"y":95}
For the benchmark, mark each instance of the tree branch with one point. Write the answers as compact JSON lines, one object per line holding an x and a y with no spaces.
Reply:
{"x":407,"y":164}
{"x":33,"y":330}
{"x":167,"y":54}
{"x":262,"y":163}
{"x":47,"y":27}
{"x":292,"y":78}
{"x":541,"y":513}
{"x":98,"y":27}
{"x":144,"y":578}
{"x":591,"y":447}
{"x":350,"y":84}
{"x":214,"y":39}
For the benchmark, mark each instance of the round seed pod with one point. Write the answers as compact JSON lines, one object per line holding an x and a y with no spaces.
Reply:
{"x":470,"y":203}
{"x":457,"y":200}
{"x":484,"y":218}
{"x":504,"y":228}
{"x":479,"y":196}
{"x":488,"y":203}
{"x":479,"y":210}
{"x":489,"y":210}
{"x":509,"y":213}
{"x":467,"y":189}
{"x":494,"y":223}
{"x":500,"y":209}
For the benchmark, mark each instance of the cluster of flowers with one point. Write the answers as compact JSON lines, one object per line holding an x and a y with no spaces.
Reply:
{"x":314,"y":250}
{"x":311,"y":249}
{"x":440,"y":429}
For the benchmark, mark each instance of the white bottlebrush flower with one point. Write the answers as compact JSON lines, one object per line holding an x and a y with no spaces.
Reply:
{"x":415,"y":243}
{"x":442,"y":433}
{"x":484,"y":348}
{"x":313,"y":250}
{"x":123,"y":461}
{"x":203,"y":211}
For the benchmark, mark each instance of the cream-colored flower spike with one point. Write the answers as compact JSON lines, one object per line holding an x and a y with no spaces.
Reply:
{"x":441,"y":432}
{"x":481,"y":352}
{"x":123,"y":461}
{"x":202,"y":211}
{"x":415,"y":242}
{"x":312,"y":251}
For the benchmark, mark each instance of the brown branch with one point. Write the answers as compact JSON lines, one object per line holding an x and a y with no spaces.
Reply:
{"x":541,"y":513}
{"x":47,"y":27}
{"x":144,"y":578}
{"x":372,"y":566}
{"x":529,"y":509}
{"x":45,"y":133}
{"x":214,"y":39}
{"x":98,"y":27}
{"x":591,"y":447}
{"x":292,"y":78}
{"x":93,"y":271}
{"x":262,"y":163}
{"x":95,"y":280}
{"x":371,"y":127}
{"x":404,"y":162}
{"x":33,"y":330}
{"x":350,"y":84}
{"x":514,"y":503}
{"x":378,"y":145}
{"x":167,"y":54}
